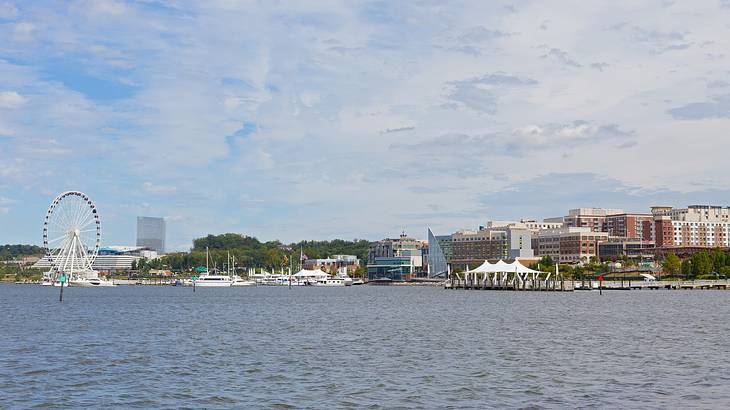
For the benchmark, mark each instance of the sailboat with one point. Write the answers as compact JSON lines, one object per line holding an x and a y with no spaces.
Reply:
{"x":207,"y":280}
{"x":237,"y":280}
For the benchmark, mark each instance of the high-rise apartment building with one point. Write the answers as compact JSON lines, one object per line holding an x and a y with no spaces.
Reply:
{"x":151,"y":233}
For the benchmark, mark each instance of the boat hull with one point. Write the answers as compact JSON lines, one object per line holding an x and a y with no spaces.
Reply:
{"x":93,"y":283}
{"x":204,"y":284}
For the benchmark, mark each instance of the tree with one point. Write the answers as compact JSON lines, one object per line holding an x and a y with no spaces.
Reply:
{"x":686,"y":268}
{"x":672,"y":264}
{"x":701,"y":264}
{"x":134,"y":264}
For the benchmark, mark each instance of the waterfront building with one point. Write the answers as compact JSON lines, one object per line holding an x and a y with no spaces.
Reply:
{"x":568,"y":244}
{"x":388,"y":248}
{"x":591,"y":218}
{"x":112,"y":258}
{"x":437,"y":262}
{"x":334,"y":262}
{"x":702,"y":226}
{"x":397,"y":268}
{"x":151,"y":233}
{"x":499,"y":240}
{"x":616,"y":247}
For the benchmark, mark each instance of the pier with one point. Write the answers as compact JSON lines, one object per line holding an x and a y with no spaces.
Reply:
{"x":547,"y":285}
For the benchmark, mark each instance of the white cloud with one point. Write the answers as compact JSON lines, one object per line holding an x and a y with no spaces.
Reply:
{"x":6,"y":201}
{"x":158,"y":189}
{"x":23,"y":31}
{"x":11,"y":99}
{"x":8,"y":10}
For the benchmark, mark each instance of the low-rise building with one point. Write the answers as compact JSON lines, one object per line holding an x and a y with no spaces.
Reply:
{"x":388,"y":248}
{"x":112,"y":258}
{"x":331,"y":264}
{"x":617,"y":247}
{"x":568,"y":244}
{"x":499,"y":240}
{"x":397,"y":268}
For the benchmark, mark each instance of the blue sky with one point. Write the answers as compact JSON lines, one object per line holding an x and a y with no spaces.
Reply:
{"x":324,"y":119}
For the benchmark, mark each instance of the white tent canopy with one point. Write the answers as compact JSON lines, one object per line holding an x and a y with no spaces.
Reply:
{"x":502,"y":266}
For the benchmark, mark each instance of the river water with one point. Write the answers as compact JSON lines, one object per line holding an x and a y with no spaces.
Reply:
{"x":362,"y":346}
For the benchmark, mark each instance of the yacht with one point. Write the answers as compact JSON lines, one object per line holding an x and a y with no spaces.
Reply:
{"x":206,"y":280}
{"x":213,"y":281}
{"x":92,"y":282}
{"x":342,"y":274}
{"x":238,"y":281}
{"x":330,"y":282}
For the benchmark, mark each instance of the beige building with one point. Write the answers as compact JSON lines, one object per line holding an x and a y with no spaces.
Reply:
{"x":592,"y":218}
{"x":568,"y":244}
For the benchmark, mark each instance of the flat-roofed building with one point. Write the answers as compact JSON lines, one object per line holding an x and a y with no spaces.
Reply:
{"x":615,"y":248}
{"x":151,"y":233}
{"x":704,"y":226}
{"x":591,"y":218}
{"x":568,"y":244}
{"x":334,"y":262}
{"x":499,"y":240}
{"x":626,"y":225}
{"x":112,"y":258}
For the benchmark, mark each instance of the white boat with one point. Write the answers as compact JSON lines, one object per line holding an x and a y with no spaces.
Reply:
{"x":92,"y":282}
{"x":235,"y":279}
{"x":213,"y":281}
{"x":238,"y":281}
{"x":342,"y":274}
{"x":49,"y":282}
{"x":206,"y":280}
{"x":330,"y":282}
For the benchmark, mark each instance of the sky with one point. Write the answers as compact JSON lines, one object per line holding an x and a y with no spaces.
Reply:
{"x":358,"y":119}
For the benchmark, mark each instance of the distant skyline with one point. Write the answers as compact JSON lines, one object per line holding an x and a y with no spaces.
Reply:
{"x":359,"y":119}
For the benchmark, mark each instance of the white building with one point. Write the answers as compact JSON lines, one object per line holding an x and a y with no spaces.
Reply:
{"x":112,"y":258}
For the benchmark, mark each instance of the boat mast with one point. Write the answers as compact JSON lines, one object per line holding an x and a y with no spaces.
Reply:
{"x":207,"y":271}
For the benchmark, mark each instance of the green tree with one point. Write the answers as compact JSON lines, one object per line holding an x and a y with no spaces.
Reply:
{"x":672,"y":264}
{"x":686,"y":268}
{"x":701,"y":264}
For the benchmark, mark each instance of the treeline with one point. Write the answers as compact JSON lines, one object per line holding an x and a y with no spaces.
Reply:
{"x":571,"y":272}
{"x":701,"y":265}
{"x":251,"y":253}
{"x":11,"y":252}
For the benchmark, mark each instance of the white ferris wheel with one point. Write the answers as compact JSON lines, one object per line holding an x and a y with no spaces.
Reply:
{"x":71,"y":234}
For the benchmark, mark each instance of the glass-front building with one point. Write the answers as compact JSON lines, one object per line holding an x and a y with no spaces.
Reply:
{"x":436,"y":258}
{"x":151,"y":233}
{"x":396,"y":268}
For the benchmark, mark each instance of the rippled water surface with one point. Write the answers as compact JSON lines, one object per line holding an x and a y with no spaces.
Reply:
{"x":362,"y":346}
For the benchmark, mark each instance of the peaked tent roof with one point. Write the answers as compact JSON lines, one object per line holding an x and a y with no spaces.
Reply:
{"x":503,"y":266}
